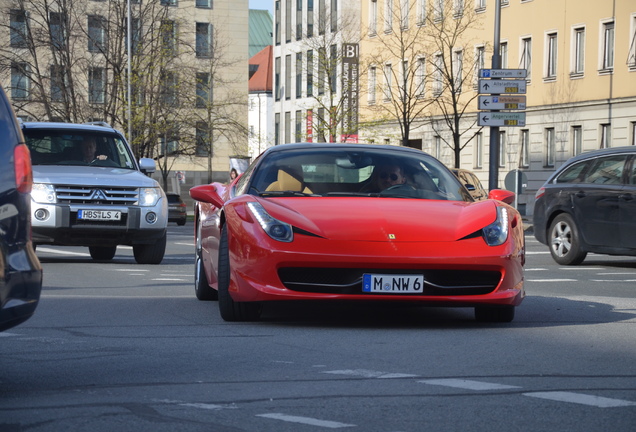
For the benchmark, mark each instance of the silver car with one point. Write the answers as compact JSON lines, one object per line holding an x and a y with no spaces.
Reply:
{"x":88,"y":190}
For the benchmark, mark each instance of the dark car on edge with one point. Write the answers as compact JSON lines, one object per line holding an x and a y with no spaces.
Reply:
{"x":589,"y":205}
{"x":20,"y":270}
{"x":176,"y":209}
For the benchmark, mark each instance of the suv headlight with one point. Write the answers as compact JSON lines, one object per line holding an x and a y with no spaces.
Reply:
{"x":43,"y":193}
{"x":496,"y":233}
{"x":148,"y":197}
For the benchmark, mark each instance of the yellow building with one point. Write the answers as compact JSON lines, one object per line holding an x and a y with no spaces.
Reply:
{"x":580,"y":57}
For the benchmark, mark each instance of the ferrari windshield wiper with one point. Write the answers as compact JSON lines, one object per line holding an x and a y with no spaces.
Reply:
{"x":286,"y":193}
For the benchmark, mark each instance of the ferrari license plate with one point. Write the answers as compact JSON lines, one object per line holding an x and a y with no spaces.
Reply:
{"x":101,"y":215}
{"x":392,"y":283}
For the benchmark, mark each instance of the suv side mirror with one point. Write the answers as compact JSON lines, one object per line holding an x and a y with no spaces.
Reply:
{"x":147,"y":165}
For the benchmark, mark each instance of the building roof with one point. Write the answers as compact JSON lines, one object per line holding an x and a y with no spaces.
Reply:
{"x":261,"y":28}
{"x":261,"y":79}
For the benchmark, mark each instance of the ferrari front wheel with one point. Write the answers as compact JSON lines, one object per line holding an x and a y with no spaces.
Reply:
{"x":232,"y":310}
{"x":495,"y":313}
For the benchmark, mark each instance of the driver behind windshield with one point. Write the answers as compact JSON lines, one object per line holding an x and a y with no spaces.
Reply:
{"x":384,"y":177}
{"x":89,"y":148}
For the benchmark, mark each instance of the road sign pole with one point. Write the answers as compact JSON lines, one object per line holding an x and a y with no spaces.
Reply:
{"x":493,"y":170}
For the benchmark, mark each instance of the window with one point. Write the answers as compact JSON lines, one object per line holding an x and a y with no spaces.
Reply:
{"x":420,"y":77}
{"x":606,"y":135}
{"x":288,"y":62}
{"x":388,"y":16}
{"x":168,"y":2}
{"x":608,"y":46}
{"x":437,"y":150}
{"x":525,"y":148}
{"x":388,"y":77}
{"x":57,"y":83}
{"x":96,"y":85}
{"x":631,"y":60}
{"x":459,"y":8}
{"x":404,"y":78}
{"x":288,"y":137}
{"x":480,"y":63}
{"x":202,"y":139}
{"x":373,"y":17}
{"x":299,"y":19}
{"x":334,"y":16}
{"x":322,"y":58}
{"x":606,"y":170}
{"x":333,"y":69}
{"x":203,"y":90}
{"x":57,"y":28}
{"x":502,"y":149}
{"x":526,"y":56}
{"x":169,"y":37}
{"x":288,"y":20}
{"x":579,"y":51}
{"x":203,"y":40}
{"x":503,"y":53}
{"x":277,"y":78}
{"x":633,"y":134}
{"x":277,"y":129}
{"x":299,"y":75}
{"x":372,"y":84}
{"x":20,"y":82}
{"x":458,"y":65}
{"x":310,"y":18}
{"x":437,"y":75}
{"x":204,"y":4}
{"x":96,"y":34}
{"x":421,"y":12}
{"x":169,"y":142}
{"x":577,"y":140}
{"x":479,"y":151}
{"x":438,"y":10}
{"x":168,"y":92}
{"x":551,"y":61}
{"x":298,"y":135}
{"x":135,"y":29}
{"x":277,"y":22}
{"x":550,"y":147}
{"x":480,"y":5}
{"x":322,"y":14}
{"x":310,"y":73}
{"x":18,"y":28}
{"x":404,"y":14}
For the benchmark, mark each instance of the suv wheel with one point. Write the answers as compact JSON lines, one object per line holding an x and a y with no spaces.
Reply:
{"x":564,"y":241}
{"x":102,"y":253}
{"x":150,"y":253}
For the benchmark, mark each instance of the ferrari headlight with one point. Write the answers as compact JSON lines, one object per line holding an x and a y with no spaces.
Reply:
{"x":496,"y":233}
{"x":148,"y":197}
{"x":43,"y":193}
{"x":274,"y":228}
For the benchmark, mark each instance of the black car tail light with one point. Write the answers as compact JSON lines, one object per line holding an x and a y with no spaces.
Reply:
{"x":23,"y":169}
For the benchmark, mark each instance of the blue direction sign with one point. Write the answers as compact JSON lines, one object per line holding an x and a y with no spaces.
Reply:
{"x":501,"y":119}
{"x":501,"y":102}
{"x":503,"y":73}
{"x":502,"y":86}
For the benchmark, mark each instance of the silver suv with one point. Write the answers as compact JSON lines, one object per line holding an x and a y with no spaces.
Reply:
{"x":88,"y":190}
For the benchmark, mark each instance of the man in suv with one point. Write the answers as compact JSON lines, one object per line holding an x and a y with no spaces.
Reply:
{"x":88,"y":190}
{"x":20,"y":270}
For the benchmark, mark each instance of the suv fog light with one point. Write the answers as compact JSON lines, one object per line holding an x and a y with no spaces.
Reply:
{"x":41,"y":214}
{"x":151,"y":217}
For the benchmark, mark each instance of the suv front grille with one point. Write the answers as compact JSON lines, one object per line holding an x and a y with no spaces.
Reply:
{"x":96,"y":195}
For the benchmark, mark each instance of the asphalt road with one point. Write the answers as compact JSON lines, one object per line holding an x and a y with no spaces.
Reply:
{"x":125,"y":347}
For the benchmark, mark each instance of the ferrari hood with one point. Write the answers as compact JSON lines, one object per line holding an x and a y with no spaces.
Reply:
{"x":382,"y":219}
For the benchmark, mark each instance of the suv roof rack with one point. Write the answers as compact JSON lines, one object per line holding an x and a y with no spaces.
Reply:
{"x":99,"y":123}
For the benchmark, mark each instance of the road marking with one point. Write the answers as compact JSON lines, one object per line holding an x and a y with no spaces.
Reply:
{"x":468,"y":384}
{"x":537,"y":253}
{"x":536,"y":269}
{"x":306,"y":420}
{"x":552,"y":280}
{"x":208,"y":406}
{"x":60,"y":252}
{"x":612,"y":280}
{"x":168,"y":279}
{"x":5,"y":334}
{"x":369,"y":373}
{"x":583,"y":399}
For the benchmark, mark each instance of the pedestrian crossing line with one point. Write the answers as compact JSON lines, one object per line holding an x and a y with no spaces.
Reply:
{"x":583,"y":399}
{"x":306,"y":420}
{"x":364,"y":373}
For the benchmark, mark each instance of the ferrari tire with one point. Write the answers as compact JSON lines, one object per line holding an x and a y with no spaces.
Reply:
{"x":202,"y":289}
{"x":232,"y":310}
{"x":102,"y":253}
{"x":495,"y":313}
{"x":563,"y":237}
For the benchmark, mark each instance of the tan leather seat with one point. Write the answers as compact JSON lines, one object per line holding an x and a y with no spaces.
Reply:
{"x":287,"y":182}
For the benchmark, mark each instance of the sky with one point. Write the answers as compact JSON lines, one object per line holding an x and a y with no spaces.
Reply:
{"x":262,"y":4}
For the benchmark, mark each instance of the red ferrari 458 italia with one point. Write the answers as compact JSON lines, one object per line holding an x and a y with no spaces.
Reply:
{"x":355,"y":222}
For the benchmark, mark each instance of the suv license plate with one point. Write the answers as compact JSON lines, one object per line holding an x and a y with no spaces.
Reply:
{"x":102,"y":215}
{"x":392,"y":283}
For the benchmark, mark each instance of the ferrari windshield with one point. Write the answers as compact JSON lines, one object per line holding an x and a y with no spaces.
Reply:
{"x":63,"y":147}
{"x":354,"y":171}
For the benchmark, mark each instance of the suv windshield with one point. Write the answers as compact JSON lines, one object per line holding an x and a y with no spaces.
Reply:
{"x":58,"y":147}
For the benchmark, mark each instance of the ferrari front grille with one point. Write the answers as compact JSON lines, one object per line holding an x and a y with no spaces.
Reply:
{"x":349,"y":280}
